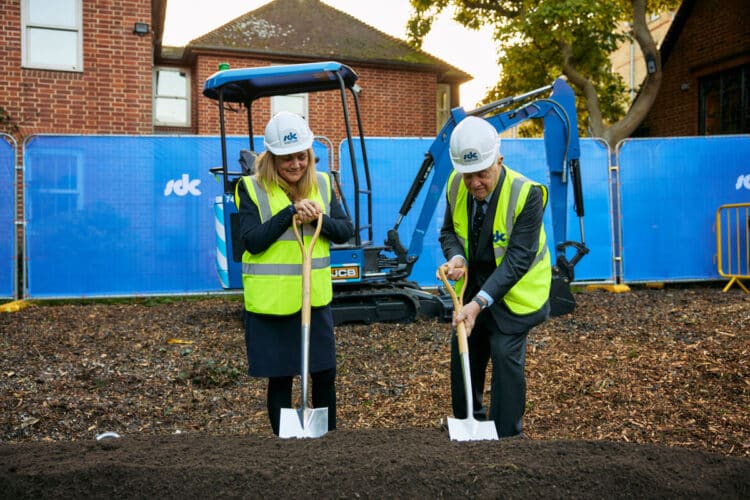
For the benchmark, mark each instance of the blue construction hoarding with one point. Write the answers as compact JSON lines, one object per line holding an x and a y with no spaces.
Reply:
{"x":670,"y":190}
{"x":8,"y":261}
{"x":125,"y":215}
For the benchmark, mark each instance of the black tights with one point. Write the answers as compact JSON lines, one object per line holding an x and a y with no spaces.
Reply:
{"x":323,"y":395}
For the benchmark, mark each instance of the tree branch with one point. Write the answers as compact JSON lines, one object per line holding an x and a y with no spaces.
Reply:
{"x":650,"y":89}
{"x":586,"y":86}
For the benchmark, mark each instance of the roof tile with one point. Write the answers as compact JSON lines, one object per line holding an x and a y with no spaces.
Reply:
{"x":312,"y":29}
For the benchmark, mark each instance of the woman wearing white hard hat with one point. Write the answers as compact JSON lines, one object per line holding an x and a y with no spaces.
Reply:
{"x":493,"y":227}
{"x":286,"y":185}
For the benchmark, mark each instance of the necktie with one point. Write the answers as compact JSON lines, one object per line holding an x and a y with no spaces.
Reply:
{"x":476,"y":226}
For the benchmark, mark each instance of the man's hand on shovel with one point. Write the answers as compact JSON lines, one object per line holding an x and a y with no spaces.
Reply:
{"x":453,"y":269}
{"x":467,"y":314}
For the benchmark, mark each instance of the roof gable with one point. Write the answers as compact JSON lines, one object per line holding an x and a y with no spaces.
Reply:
{"x":675,"y":29}
{"x":313,"y":29}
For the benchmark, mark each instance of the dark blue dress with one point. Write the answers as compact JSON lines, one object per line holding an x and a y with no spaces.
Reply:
{"x":274,"y":343}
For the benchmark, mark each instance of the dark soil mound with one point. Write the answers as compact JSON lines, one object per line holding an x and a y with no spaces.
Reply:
{"x":412,"y":463}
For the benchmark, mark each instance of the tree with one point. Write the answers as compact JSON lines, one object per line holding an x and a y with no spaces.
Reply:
{"x":540,"y":40}
{"x":8,"y":124}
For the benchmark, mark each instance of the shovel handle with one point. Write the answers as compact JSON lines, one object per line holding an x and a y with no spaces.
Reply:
{"x":295,"y":223}
{"x":306,"y":263}
{"x":457,"y":306}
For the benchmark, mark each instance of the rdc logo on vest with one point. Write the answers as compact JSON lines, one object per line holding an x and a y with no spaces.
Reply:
{"x":183,"y":186}
{"x":743,"y":181}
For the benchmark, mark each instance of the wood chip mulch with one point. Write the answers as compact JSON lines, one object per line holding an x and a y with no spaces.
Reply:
{"x":662,"y":366}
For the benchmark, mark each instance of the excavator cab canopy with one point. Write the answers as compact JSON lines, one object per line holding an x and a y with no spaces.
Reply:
{"x":248,"y":84}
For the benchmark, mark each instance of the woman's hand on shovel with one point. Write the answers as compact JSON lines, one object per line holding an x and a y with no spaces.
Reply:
{"x":307,"y":211}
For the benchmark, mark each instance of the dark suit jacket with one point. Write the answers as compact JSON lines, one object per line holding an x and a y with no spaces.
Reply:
{"x":497,"y":280}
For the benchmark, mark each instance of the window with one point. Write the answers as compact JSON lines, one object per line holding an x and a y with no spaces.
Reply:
{"x":295,"y":103}
{"x":725,"y":102}
{"x":171,"y":97}
{"x":52,"y":34}
{"x":443,"y":105}
{"x":58,"y":175}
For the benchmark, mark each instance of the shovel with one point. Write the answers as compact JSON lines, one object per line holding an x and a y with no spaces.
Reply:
{"x":469,"y":428}
{"x":305,"y":422}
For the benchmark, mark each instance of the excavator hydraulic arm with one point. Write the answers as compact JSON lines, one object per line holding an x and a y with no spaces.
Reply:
{"x":562,"y":148}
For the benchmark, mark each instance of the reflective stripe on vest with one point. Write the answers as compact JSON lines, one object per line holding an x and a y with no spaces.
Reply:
{"x":272,"y":279}
{"x":531,"y":292}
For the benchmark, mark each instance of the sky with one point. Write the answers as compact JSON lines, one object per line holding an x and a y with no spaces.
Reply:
{"x":468,"y":50}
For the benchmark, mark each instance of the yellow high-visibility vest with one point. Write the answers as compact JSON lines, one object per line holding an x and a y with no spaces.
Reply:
{"x":531,"y":292}
{"x":272,"y":279}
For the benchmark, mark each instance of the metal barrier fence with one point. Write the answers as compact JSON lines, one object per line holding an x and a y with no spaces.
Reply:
{"x":733,"y":243}
{"x":669,"y":190}
{"x":123,"y":215}
{"x":8,"y":203}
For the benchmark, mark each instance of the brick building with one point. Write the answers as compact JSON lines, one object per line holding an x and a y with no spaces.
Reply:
{"x":78,"y":66}
{"x":404,"y":92}
{"x":705,"y":87}
{"x":98,"y":67}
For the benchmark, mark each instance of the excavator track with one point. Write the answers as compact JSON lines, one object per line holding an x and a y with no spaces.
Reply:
{"x":388,"y":304}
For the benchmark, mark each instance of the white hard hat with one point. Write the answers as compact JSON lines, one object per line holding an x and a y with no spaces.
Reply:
{"x":287,"y":133}
{"x":474,"y":145}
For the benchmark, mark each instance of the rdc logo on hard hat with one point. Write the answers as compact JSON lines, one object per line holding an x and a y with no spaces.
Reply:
{"x":470,"y":155}
{"x":290,"y":137}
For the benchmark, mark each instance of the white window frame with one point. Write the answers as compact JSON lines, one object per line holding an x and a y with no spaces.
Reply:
{"x":281,"y":103}
{"x":185,"y":98}
{"x":28,"y":28}
{"x":65,"y":163}
{"x":443,"y":105}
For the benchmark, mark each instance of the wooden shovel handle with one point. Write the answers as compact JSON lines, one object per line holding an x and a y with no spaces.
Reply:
{"x":463,"y":345}
{"x":301,"y":241}
{"x":306,"y":264}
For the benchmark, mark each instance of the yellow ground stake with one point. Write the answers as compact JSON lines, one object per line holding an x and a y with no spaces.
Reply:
{"x":609,"y":288}
{"x":14,"y":306}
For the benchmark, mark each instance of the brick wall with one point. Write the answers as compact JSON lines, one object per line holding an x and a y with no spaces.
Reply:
{"x":716,"y":37}
{"x":112,"y":95}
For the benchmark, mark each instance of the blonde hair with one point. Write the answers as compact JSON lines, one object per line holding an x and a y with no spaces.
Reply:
{"x":267,"y":176}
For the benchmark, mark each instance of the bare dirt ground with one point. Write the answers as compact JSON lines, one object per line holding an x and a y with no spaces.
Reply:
{"x":638,"y":394}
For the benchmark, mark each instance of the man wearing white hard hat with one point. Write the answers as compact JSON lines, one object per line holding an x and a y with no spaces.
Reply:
{"x":493,"y":232}
{"x":286,"y":184}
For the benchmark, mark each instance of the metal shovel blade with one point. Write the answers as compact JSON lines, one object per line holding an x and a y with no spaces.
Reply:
{"x":303,"y":423}
{"x":471,"y":429}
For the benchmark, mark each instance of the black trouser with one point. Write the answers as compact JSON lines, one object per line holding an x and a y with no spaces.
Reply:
{"x":323,"y":396}
{"x":508,"y":384}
